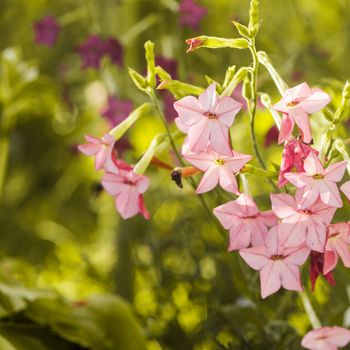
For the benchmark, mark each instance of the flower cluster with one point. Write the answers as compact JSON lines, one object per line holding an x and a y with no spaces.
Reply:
{"x":206,"y":121}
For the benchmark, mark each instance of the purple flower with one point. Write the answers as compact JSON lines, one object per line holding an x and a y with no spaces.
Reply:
{"x":116,"y":110}
{"x":47,"y":31}
{"x":169,"y":64}
{"x":91,"y":51}
{"x":114,"y":50}
{"x":191,"y":14}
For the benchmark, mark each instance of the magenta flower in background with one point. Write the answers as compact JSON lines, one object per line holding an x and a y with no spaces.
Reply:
{"x":191,"y":14}
{"x":299,"y":225}
{"x":116,"y":110}
{"x":91,"y":51}
{"x":217,"y":169}
{"x":317,"y":182}
{"x":294,"y":154}
{"x":326,"y":338}
{"x":337,"y":245}
{"x":114,"y":50}
{"x":169,"y":64}
{"x":316,"y":269}
{"x":278,"y":265}
{"x":247,"y":225}
{"x":207,"y":120}
{"x":46,"y":31}
{"x":271,"y":136}
{"x":295,"y":105}
{"x":127,"y":189}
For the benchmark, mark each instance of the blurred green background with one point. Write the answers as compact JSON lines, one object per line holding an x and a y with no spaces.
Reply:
{"x":66,"y":257}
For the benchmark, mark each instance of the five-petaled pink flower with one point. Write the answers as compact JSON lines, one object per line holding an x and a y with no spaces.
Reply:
{"x":293,"y":157}
{"x":100,"y":148}
{"x":337,"y":244}
{"x":208,"y":120}
{"x":326,"y":338}
{"x":299,"y":224}
{"x":246,"y":223}
{"x":295,"y":105}
{"x":317,"y":182}
{"x":278,"y":265}
{"x":219,"y":169}
{"x":127,"y":188}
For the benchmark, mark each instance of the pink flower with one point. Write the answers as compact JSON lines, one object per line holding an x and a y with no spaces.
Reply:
{"x":191,"y":13}
{"x":278,"y":265}
{"x":293,"y":156}
{"x":218,"y":169}
{"x":337,"y":244}
{"x":246,"y":223}
{"x":326,"y":338}
{"x":47,"y":31}
{"x":316,"y":269}
{"x":298,"y":225}
{"x":208,"y":120}
{"x":100,"y":148}
{"x":317,"y":182}
{"x":345,"y":187}
{"x":295,"y":105}
{"x":127,"y":188}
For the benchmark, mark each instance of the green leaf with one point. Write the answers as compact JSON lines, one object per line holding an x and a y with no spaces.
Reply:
{"x":102,"y":323}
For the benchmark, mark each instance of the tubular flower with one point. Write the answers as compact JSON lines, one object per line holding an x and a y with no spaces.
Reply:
{"x":317,"y":182}
{"x":337,"y":245}
{"x":295,"y":105}
{"x":217,"y":169}
{"x":300,"y":225}
{"x":316,"y":269}
{"x":127,"y":189}
{"x":207,"y":120}
{"x":278,"y":265}
{"x":100,"y":148}
{"x":326,"y":338}
{"x":247,"y":225}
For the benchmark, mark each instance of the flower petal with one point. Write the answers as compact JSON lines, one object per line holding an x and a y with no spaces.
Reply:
{"x":209,"y":180}
{"x":316,"y":101}
{"x":209,"y":98}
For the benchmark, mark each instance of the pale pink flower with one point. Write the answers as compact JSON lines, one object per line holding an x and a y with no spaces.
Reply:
{"x":100,"y":148}
{"x":293,"y":157}
{"x":246,"y":223}
{"x":208,"y":120}
{"x":218,"y":169}
{"x":127,"y":188}
{"x":295,"y":105}
{"x":326,"y":338}
{"x":317,"y":182}
{"x":299,"y":224}
{"x":337,"y":245}
{"x":278,"y":265}
{"x":345,"y":187}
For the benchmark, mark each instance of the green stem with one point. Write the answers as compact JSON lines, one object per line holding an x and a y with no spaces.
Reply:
{"x":4,"y":153}
{"x":252,"y":103}
{"x":314,"y":320}
{"x":154,"y":100}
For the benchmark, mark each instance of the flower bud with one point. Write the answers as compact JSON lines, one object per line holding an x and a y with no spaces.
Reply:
{"x":151,"y":74}
{"x":213,"y":42}
{"x":139,"y":81}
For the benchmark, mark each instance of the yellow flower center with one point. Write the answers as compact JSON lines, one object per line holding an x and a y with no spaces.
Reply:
{"x":219,"y":162}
